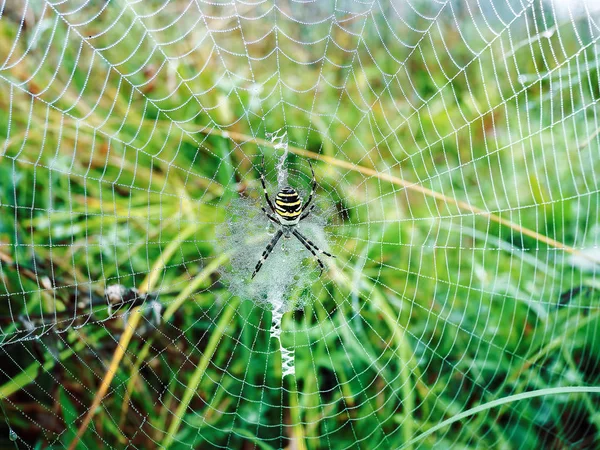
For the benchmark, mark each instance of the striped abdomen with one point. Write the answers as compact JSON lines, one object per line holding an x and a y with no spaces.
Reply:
{"x":288,"y":204}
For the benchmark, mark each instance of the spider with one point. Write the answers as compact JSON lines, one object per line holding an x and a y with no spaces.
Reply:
{"x":288,"y":211}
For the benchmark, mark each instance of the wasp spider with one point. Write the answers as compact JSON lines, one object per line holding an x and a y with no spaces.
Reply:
{"x":288,"y":211}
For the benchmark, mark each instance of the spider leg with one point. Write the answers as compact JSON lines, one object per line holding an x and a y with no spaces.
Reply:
{"x":311,"y":243}
{"x":306,"y":213}
{"x":312,"y":189}
{"x":267,"y":252}
{"x":302,"y":239}
{"x":264,"y":186}
{"x":271,"y":217}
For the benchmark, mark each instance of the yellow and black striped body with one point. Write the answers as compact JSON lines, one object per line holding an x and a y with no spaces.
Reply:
{"x":288,"y":206}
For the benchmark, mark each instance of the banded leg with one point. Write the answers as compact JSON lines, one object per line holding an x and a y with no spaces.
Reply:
{"x":267,"y":252}
{"x":264,"y":185}
{"x":312,"y":188}
{"x":271,"y":218}
{"x":309,"y":248}
{"x":315,"y":245}
{"x":306,"y":213}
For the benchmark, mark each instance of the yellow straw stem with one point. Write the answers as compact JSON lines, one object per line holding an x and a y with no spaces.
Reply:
{"x":239,"y":137}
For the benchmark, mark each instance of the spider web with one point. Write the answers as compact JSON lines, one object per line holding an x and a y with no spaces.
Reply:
{"x":456,"y":148}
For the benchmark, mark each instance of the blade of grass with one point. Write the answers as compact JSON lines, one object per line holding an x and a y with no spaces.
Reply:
{"x":156,"y":270}
{"x":130,"y":327}
{"x":554,"y":344}
{"x":503,"y":401}
{"x":194,"y":284}
{"x":594,"y":418}
{"x":255,"y":440}
{"x":298,"y":441}
{"x":32,"y":371}
{"x":406,"y":359}
{"x":171,"y":309}
{"x":192,"y":385}
{"x":360,"y":283}
{"x":589,"y":139}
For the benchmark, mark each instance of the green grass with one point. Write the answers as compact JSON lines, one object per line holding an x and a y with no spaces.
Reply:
{"x":434,"y":327}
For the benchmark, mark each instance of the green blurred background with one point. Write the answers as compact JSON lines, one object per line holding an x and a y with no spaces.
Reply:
{"x":456,"y":146}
